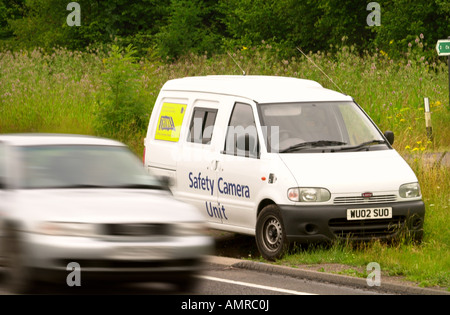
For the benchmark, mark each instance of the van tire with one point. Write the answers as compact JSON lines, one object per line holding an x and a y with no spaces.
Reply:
{"x":270,"y":233}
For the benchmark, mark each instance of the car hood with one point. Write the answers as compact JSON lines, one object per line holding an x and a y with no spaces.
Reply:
{"x":347,"y":172}
{"x":101,"y":206}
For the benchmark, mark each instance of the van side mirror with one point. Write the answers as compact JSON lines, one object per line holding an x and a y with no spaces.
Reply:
{"x":389,"y":135}
{"x":165,"y":181}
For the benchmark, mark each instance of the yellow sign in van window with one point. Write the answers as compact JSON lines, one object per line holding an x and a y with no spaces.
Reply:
{"x":170,"y":121}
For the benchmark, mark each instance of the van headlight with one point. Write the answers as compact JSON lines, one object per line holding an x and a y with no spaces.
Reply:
{"x":309,"y":194}
{"x":67,"y":229}
{"x":410,"y":190}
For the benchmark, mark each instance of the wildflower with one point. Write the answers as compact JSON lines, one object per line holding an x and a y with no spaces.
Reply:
{"x":390,"y":43}
{"x":419,"y":142}
{"x":421,"y":36}
{"x":244,"y":48}
{"x":407,"y":147}
{"x":409,"y":45}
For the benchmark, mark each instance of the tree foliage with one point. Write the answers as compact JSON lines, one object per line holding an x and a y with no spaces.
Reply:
{"x":172,"y":28}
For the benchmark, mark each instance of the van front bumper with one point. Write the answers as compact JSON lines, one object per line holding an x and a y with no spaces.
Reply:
{"x":309,"y":224}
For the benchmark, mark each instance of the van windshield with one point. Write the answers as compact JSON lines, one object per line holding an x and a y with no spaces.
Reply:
{"x":339,"y":126}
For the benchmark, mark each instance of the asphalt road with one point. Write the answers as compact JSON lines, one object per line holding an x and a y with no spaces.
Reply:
{"x":215,"y":279}
{"x":220,"y":279}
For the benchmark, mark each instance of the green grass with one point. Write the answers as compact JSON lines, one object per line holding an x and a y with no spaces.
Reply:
{"x":59,"y":92}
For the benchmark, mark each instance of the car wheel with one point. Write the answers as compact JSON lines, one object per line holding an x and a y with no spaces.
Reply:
{"x":270,"y":233}
{"x":18,"y":278}
{"x":186,"y":284}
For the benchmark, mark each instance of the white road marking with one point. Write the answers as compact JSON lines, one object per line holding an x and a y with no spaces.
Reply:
{"x":253,"y":285}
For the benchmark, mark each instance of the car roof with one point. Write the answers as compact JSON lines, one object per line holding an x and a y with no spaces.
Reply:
{"x":261,"y":89}
{"x":35,"y":139}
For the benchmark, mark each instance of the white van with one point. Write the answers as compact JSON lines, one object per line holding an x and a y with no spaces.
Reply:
{"x":283,"y":159}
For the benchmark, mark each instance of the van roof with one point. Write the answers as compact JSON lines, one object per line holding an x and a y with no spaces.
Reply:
{"x":261,"y":89}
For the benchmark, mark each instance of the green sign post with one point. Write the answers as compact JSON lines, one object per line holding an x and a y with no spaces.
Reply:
{"x":443,"y":49}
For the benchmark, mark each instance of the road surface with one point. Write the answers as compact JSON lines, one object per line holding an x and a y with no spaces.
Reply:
{"x":213,"y":280}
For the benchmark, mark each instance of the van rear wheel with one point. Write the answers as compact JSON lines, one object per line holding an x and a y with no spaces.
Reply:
{"x":270,"y":233}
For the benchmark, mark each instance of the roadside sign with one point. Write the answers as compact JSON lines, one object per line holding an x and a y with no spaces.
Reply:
{"x":443,"y":47}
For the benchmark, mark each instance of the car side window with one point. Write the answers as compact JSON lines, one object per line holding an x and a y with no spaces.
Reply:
{"x":242,"y":137}
{"x":202,"y":125}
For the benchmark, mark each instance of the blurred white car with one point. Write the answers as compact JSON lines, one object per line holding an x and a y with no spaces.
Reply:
{"x":78,"y":199}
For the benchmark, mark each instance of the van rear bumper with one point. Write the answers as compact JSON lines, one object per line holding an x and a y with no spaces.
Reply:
{"x":308,"y":224}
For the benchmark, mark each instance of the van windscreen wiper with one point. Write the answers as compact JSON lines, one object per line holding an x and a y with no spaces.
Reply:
{"x":318,"y":143}
{"x":364,"y":144}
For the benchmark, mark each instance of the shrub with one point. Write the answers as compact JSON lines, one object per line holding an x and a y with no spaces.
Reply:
{"x":120,"y":108}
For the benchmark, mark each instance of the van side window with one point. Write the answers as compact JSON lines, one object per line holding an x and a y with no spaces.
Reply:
{"x":202,"y":125}
{"x":242,"y":137}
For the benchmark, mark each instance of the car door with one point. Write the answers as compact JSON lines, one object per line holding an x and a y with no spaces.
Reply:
{"x":196,"y":163}
{"x":239,"y":173}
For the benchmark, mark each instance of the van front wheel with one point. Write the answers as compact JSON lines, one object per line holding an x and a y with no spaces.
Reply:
{"x":270,"y":233}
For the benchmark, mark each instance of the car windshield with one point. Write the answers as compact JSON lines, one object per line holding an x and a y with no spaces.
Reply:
{"x":340,"y":126}
{"x":82,"y":166}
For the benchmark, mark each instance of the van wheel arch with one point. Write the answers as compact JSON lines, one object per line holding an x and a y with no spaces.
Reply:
{"x":264,"y":203}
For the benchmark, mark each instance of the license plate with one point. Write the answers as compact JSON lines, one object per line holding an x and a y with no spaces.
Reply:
{"x":369,"y":213}
{"x":140,"y":253}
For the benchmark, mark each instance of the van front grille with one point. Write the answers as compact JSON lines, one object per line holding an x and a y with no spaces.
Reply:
{"x":352,"y":200}
{"x":366,"y":229}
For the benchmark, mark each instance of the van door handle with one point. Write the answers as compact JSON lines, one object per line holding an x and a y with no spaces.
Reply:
{"x":213,"y":165}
